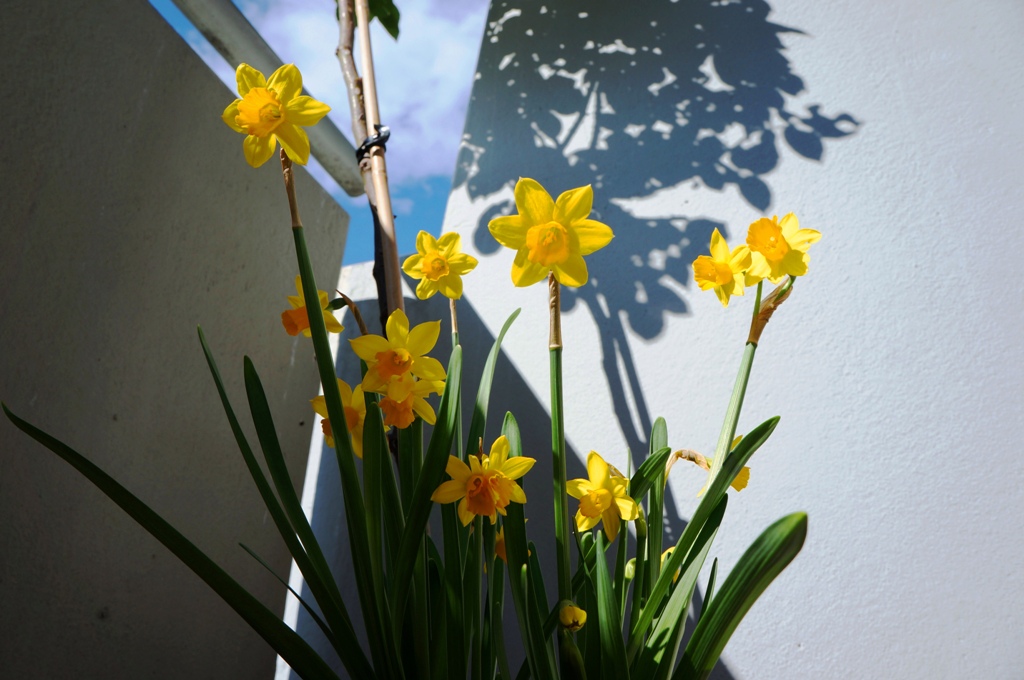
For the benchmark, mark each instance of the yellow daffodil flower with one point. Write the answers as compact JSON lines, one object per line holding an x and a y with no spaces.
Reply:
{"x":355,"y":415}
{"x":400,"y":353}
{"x":739,"y":482}
{"x":405,"y":398}
{"x":550,"y":236}
{"x":572,"y":617}
{"x":779,"y":247}
{"x":296,"y":319}
{"x":272,"y":111}
{"x":440,"y":265}
{"x":723,"y":270}
{"x":602,"y":497}
{"x":487,"y":485}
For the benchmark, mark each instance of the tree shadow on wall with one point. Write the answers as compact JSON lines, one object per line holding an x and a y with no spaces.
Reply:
{"x":636,"y":98}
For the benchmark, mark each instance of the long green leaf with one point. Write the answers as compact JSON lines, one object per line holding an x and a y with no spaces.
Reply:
{"x":292,"y":648}
{"x":305,"y":605}
{"x":658,"y":657}
{"x":497,"y":577}
{"x":430,"y":478}
{"x":652,"y":469}
{"x":734,"y":462}
{"x":312,"y":565}
{"x":517,"y":549}
{"x":656,"y":506}
{"x":385,"y":659}
{"x":478,"y":424}
{"x":613,"y":650}
{"x":765,"y":559}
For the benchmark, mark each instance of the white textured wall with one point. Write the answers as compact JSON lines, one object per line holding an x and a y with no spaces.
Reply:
{"x":129,"y":218}
{"x":896,"y":366}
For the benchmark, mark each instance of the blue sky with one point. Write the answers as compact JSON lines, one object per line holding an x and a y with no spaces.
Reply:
{"x":423,"y":84}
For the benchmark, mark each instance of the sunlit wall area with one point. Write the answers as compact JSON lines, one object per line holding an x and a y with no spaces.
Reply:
{"x":895,"y":366}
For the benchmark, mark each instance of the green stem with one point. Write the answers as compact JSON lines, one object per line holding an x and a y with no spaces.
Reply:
{"x":558,"y":459}
{"x":732,"y":414}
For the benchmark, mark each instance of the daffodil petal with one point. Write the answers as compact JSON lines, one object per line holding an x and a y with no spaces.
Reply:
{"x":577,"y":488}
{"x":286,"y":82}
{"x":574,"y":205}
{"x":795,"y":263}
{"x":592,"y":235}
{"x":398,"y":328}
{"x":740,"y":258}
{"x":572,"y":272}
{"x":412,"y":266}
{"x":517,"y":494}
{"x":584,"y":523}
{"x":425,"y":242}
{"x":451,"y":287}
{"x":719,"y":248}
{"x":319,"y":405}
{"x":305,"y":110}
{"x":759,"y":268}
{"x":533,"y":202}
{"x":802,"y":239}
{"x":597,"y":469}
{"x":373,"y":382}
{"x":722,"y":295}
{"x":465,"y":514}
{"x":526,"y":273}
{"x":295,"y":142}
{"x":367,"y":347}
{"x":258,"y":150}
{"x":499,"y":451}
{"x":517,"y":466}
{"x":457,"y":469}
{"x":508,"y":230}
{"x":332,"y":323}
{"x":789,"y":225}
{"x":742,"y":478}
{"x":426,"y":289}
{"x":424,"y":410}
{"x":423,"y":337}
{"x":246,"y":77}
{"x":449,"y":244}
{"x":449,"y":492}
{"x":627,"y":508}
{"x":611,"y":524}
{"x":461,"y":263}
{"x":230,"y":114}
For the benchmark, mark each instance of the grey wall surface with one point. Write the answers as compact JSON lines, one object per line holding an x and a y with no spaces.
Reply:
{"x":129,"y":218}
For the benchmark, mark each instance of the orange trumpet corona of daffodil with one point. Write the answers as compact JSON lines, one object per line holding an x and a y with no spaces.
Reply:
{"x":779,"y":247}
{"x":486,"y":486}
{"x":401,"y":352}
{"x":272,"y":111}
{"x":723,"y":271}
{"x":405,"y":399}
{"x":550,"y":236}
{"x":603,"y":497}
{"x":355,"y":415}
{"x":296,"y":319}
{"x":439,"y":264}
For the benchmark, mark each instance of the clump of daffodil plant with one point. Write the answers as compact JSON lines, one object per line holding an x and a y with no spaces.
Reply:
{"x":432,"y":605}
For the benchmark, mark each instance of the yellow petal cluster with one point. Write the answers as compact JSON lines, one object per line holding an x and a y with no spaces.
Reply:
{"x":355,"y":415}
{"x":486,"y":486}
{"x":439,"y":264}
{"x":550,"y":236}
{"x":779,"y":247}
{"x":774,"y":250}
{"x":722,"y":271}
{"x":397,"y":367}
{"x":272,"y":111}
{"x":296,"y":319}
{"x":603,"y":497}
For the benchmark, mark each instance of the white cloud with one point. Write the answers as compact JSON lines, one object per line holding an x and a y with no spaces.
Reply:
{"x":423,"y":79}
